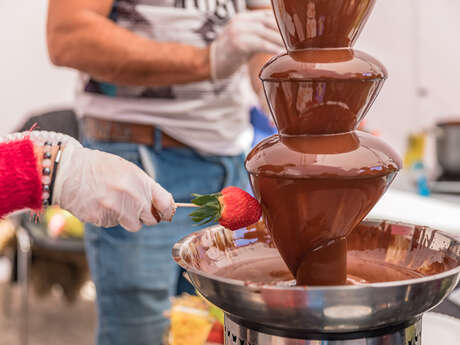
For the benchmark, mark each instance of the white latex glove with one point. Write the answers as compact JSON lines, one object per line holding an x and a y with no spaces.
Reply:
{"x":244,"y":35}
{"x":106,"y":190}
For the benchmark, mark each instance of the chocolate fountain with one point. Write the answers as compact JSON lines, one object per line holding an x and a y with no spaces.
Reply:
{"x":312,"y":271}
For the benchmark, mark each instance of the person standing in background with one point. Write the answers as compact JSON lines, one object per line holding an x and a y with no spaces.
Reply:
{"x":164,"y":84}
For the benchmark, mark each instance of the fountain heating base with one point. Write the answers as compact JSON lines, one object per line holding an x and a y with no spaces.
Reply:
{"x":410,"y":270}
{"x":240,"y":333}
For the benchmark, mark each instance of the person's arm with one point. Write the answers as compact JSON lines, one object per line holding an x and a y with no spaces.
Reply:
{"x":95,"y":186}
{"x":81,"y":36}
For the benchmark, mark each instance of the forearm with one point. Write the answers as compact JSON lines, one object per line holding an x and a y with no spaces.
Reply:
{"x":91,"y":43}
{"x":255,"y":65}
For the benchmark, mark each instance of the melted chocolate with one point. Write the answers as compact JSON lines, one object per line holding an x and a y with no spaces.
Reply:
{"x":324,"y":64}
{"x":360,"y":270}
{"x":321,"y":91}
{"x":345,"y":155}
{"x":306,"y":217}
{"x":319,"y":267}
{"x":270,"y":271}
{"x":314,"y":190}
{"x":321,"y":23}
{"x":375,"y":254}
{"x":318,"y":179}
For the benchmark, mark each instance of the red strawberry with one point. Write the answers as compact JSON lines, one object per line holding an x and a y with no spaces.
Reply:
{"x":233,"y":208}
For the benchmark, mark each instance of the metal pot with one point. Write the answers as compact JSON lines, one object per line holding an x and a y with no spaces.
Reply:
{"x":448,"y":146}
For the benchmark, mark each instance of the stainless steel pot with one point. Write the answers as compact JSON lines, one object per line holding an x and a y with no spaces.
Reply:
{"x":210,"y":253}
{"x":448,"y":147}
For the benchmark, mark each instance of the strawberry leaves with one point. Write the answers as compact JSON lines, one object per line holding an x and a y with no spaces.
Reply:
{"x":201,"y":200}
{"x":209,"y":208}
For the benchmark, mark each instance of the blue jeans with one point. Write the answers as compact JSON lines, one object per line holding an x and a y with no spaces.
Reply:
{"x":134,"y":273}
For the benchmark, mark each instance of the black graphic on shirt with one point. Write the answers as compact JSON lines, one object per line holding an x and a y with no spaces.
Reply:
{"x":126,"y":10}
{"x":207,"y":30}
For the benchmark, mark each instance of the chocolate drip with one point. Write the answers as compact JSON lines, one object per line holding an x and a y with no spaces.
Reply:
{"x":321,"y":23}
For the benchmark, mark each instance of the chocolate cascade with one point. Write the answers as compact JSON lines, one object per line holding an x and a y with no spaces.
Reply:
{"x":319,"y":177}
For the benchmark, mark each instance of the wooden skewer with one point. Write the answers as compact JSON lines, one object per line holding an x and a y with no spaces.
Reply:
{"x":185,"y":204}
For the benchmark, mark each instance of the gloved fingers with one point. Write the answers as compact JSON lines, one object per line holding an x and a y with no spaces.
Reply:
{"x":130,"y":223}
{"x":268,"y":35}
{"x":149,"y":215}
{"x":263,"y":17}
{"x":97,"y":217}
{"x":249,"y":30}
{"x":116,"y":208}
{"x":267,"y":18}
{"x":257,"y":41}
{"x":223,"y":62}
{"x":127,"y":209}
{"x":266,"y":47}
{"x":162,"y":202}
{"x":149,"y":211}
{"x":256,"y":14}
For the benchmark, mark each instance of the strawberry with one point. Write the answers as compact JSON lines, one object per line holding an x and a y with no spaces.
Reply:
{"x":233,"y":208}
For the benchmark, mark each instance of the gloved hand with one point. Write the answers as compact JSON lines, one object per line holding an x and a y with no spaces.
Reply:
{"x":244,"y":35}
{"x":106,"y":190}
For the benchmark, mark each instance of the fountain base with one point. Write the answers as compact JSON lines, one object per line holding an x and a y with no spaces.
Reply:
{"x":239,"y":332}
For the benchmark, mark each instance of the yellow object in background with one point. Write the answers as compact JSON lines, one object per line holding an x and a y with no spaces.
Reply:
{"x":216,"y":312}
{"x":7,"y":233}
{"x":414,"y":163}
{"x":62,"y":223}
{"x":190,"y":321}
{"x":415,"y":149}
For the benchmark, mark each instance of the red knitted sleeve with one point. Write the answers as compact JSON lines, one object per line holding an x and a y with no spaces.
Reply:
{"x":20,"y":181}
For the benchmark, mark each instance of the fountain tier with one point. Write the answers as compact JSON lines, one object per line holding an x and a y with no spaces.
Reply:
{"x":314,"y":190}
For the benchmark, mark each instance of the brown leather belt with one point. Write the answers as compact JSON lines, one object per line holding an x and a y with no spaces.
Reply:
{"x":106,"y":130}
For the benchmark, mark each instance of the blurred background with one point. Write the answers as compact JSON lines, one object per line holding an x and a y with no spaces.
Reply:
{"x":417,"y":40}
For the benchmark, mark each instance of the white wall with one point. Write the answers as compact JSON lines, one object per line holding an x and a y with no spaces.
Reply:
{"x":425,"y":58}
{"x":28,"y":82}
{"x":419,"y":43}
{"x":388,"y":36}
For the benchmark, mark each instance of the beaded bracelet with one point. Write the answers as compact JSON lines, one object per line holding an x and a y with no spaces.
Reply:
{"x":46,"y":171}
{"x":48,"y":178}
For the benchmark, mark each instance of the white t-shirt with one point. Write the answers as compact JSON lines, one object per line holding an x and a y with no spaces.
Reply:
{"x":212,"y":117}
